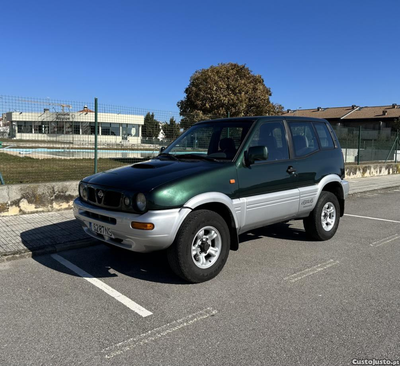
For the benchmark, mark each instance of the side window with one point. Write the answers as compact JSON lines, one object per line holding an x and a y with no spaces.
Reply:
{"x":325,"y":138}
{"x":304,"y":139}
{"x":273,"y":136}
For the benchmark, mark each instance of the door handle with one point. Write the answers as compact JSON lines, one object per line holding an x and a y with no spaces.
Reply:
{"x":291,"y":170}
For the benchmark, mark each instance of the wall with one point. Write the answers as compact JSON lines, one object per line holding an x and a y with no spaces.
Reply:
{"x":29,"y":198}
{"x":371,"y":170}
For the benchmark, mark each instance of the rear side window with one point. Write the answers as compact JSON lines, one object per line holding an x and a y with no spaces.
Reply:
{"x":324,"y":135}
{"x":304,"y":138}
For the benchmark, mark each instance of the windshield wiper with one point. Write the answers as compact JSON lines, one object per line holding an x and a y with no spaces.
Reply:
{"x":167,"y":155}
{"x":197,"y":156}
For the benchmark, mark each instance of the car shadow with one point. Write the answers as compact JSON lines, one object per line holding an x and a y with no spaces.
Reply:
{"x":102,"y":261}
{"x":277,"y":231}
{"x":94,"y":257}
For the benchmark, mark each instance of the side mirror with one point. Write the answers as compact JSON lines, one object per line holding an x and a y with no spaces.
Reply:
{"x":162,"y":149}
{"x":255,"y":153}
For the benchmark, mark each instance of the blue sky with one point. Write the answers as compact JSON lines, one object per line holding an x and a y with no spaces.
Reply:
{"x":142,"y":53}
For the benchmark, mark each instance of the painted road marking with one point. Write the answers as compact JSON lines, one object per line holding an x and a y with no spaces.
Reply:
{"x":152,"y":335}
{"x":307,"y":272}
{"x":102,"y":286}
{"x":385,"y":240}
{"x":372,"y":218}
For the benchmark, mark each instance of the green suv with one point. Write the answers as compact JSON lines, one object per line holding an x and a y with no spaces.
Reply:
{"x":219,"y":179}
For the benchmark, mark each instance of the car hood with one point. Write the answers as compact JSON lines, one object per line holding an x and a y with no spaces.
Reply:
{"x":148,"y":175}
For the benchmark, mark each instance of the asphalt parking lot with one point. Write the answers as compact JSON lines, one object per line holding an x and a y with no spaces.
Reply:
{"x":281,"y":299}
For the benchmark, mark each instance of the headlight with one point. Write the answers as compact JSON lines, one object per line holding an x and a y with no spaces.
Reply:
{"x":141,"y":202}
{"x":83,"y":192}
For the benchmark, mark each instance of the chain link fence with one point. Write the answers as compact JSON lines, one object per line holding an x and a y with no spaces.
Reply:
{"x":44,"y":140}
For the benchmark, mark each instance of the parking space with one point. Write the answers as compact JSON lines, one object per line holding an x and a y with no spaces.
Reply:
{"x":281,"y":299}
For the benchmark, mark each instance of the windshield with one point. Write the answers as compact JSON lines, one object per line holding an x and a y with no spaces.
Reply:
{"x":213,"y":140}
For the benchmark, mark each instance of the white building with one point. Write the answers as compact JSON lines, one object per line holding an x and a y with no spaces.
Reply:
{"x":76,"y":127}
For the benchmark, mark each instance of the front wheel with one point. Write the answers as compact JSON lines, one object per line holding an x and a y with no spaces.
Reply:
{"x":324,"y":219}
{"x":201,"y":247}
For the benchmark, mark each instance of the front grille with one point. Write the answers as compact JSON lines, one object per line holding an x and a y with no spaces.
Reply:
{"x":91,"y":194}
{"x":112,"y":199}
{"x":104,"y":197}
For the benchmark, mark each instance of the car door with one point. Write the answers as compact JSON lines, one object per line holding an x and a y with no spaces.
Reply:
{"x":308,"y":161}
{"x":268,"y":188}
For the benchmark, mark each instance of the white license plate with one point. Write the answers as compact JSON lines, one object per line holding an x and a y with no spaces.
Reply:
{"x":100,"y":229}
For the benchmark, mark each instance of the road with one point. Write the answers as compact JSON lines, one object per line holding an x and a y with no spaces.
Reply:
{"x":280,"y":300}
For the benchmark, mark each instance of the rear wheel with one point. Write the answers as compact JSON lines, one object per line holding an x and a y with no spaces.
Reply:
{"x":324,"y":219}
{"x":201,"y":247}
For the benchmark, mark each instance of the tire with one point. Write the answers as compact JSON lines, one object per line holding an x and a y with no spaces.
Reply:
{"x":324,"y":219}
{"x":201,"y":247}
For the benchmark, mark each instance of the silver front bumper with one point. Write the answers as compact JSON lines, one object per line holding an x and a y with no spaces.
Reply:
{"x":166,"y":225}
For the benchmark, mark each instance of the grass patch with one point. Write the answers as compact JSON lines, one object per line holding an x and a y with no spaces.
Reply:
{"x":16,"y":169}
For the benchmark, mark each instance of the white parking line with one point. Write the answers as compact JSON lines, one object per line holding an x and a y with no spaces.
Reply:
{"x":385,"y":240}
{"x":309,"y":271}
{"x":102,"y":286}
{"x":157,"y":333}
{"x":372,"y":218}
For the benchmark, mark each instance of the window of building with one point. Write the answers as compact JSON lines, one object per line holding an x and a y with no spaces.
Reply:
{"x":110,"y":129}
{"x":93,"y":128}
{"x":115,"y":129}
{"x":105,"y":129}
{"x":129,"y":130}
{"x":40,"y":127}
{"x":77,"y":128}
{"x":24,"y":127}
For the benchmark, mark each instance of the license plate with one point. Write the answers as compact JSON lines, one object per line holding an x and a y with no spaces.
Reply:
{"x":100,"y":229}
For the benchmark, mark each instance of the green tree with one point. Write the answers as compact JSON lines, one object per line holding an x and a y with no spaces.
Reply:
{"x":151,"y":127}
{"x":172,"y":129}
{"x":225,"y":90}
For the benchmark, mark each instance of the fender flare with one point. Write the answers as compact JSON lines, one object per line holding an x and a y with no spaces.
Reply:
{"x":212,"y":197}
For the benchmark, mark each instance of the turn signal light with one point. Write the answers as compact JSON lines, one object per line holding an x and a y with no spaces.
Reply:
{"x":142,"y":225}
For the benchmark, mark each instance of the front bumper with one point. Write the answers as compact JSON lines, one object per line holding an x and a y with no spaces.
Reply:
{"x":166,"y":225}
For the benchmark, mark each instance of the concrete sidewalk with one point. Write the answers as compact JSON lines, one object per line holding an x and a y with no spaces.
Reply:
{"x":50,"y":232}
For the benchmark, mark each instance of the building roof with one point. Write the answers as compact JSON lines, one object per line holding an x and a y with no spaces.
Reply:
{"x":334,"y":112}
{"x":379,"y":112}
{"x":351,"y":112}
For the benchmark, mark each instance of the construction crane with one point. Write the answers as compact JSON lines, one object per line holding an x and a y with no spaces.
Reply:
{"x":48,"y":103}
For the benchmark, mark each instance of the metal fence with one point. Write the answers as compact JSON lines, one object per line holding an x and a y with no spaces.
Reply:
{"x":43,"y":140}
{"x":362,"y":145}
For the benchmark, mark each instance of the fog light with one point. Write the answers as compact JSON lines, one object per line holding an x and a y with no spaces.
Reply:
{"x":142,"y":225}
{"x":127,"y":201}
